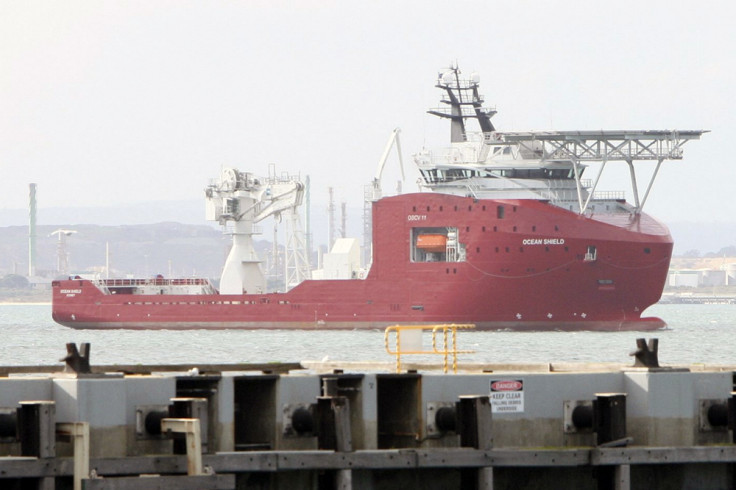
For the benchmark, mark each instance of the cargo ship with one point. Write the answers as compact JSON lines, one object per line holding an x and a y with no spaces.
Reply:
{"x":505,"y":233}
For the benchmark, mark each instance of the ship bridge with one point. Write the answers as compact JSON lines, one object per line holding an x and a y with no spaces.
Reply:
{"x":549,"y":165}
{"x":545,"y":165}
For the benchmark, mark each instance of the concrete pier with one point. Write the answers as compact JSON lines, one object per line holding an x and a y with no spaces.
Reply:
{"x":365,"y":427}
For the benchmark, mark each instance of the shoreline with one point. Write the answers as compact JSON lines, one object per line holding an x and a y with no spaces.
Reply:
{"x":26,"y":303}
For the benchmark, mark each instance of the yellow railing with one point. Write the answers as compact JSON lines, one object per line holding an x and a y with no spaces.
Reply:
{"x":449,"y":342}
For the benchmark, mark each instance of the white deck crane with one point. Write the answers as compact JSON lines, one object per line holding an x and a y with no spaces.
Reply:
{"x":241,"y":199}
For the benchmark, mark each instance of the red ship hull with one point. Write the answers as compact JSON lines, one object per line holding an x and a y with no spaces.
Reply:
{"x":527,"y":265}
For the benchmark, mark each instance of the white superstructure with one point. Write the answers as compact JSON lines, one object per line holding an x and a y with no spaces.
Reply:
{"x":542,"y":165}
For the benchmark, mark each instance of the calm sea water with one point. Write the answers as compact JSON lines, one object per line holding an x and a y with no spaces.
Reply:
{"x":696,"y":334}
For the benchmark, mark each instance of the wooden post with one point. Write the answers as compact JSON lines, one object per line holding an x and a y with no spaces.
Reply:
{"x":731,"y":416}
{"x":37,"y":430}
{"x":190,"y":408}
{"x":190,"y":427}
{"x":333,"y":430}
{"x":79,"y":433}
{"x":475,"y":423}
{"x":610,"y":425}
{"x":334,"y":427}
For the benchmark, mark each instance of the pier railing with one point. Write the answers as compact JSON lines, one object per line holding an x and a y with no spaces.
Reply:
{"x":412,"y":342}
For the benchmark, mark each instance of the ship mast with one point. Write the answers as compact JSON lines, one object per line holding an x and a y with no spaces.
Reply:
{"x":464,"y":101}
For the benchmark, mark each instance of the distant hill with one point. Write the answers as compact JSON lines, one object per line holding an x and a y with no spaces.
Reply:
{"x":181,"y":244}
{"x":703,"y":237}
{"x":141,"y":250}
{"x":181,"y":235}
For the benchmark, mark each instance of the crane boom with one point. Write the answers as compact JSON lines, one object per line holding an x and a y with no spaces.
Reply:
{"x":393,"y":139}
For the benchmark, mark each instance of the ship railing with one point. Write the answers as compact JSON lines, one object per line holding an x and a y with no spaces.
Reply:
{"x":559,"y":196}
{"x":473,"y":189}
{"x":597,"y":196}
{"x":636,"y":153}
{"x":155,"y":281}
{"x":568,"y":183}
{"x":448,"y":156}
{"x":412,"y":335}
{"x":465,"y":111}
{"x":229,"y":229}
{"x":609,"y":196}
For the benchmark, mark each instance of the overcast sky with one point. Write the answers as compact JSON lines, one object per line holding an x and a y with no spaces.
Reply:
{"x":117,"y":102}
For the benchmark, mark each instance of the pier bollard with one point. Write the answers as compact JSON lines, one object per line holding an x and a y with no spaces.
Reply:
{"x":333,"y":427}
{"x":646,"y":354}
{"x":37,"y":432}
{"x":190,"y":408}
{"x":475,"y":425}
{"x":77,"y":362}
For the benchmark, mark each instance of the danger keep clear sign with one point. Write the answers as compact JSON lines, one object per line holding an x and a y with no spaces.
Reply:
{"x":507,"y":395}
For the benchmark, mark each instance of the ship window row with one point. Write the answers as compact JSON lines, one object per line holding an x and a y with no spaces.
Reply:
{"x":521,"y":249}
{"x":500,"y":209}
{"x":263,"y":300}
{"x":435,"y":176}
{"x":513,"y":229}
{"x":535,"y":173}
{"x":500,"y":214}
